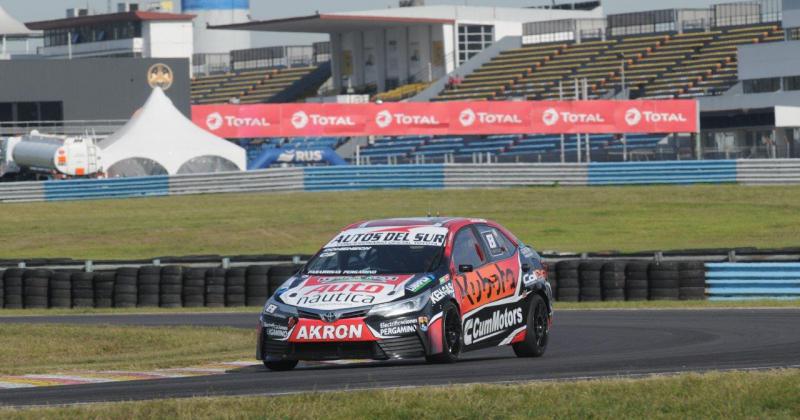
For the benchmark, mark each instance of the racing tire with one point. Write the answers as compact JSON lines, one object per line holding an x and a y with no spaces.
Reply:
{"x":452,"y":336}
{"x":280,"y":365}
{"x":537,"y":330}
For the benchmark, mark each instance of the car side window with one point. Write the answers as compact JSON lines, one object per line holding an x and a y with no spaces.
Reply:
{"x":496,"y":242}
{"x":467,"y":250}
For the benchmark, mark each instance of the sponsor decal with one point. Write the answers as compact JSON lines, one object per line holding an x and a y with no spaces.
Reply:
{"x":527,"y":252}
{"x":419,"y":284}
{"x":356,"y":293}
{"x":301,"y":120}
{"x":271,"y":309}
{"x":552,"y":117}
{"x":301,"y":156}
{"x":477,"y":329}
{"x":276,"y":330}
{"x":420,"y":236}
{"x":386,"y":118}
{"x":398,"y":327}
{"x":423,"y":323}
{"x":486,"y":285}
{"x":214,"y":121}
{"x":363,"y":279}
{"x":329,"y":332}
{"x":160,"y":75}
{"x":490,"y":240}
{"x":442,"y":292}
{"x":469,"y":117}
{"x":444,"y":279}
{"x":634,"y":117}
{"x":308,"y":330}
{"x":533,"y":277}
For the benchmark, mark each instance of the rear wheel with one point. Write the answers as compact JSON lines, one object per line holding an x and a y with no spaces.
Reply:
{"x":451,"y":336}
{"x":280,"y":365}
{"x":537,"y":330}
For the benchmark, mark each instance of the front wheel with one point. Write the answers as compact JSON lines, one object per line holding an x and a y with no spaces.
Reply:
{"x":280,"y":365}
{"x":537,"y":330}
{"x":451,"y":336}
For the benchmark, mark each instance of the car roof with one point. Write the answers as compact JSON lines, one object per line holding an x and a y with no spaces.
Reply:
{"x":446,"y":222}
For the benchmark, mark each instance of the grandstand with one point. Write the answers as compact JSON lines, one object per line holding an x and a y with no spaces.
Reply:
{"x":246,"y":87}
{"x":670,"y":65}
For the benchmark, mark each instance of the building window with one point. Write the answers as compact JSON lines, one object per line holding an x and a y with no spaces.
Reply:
{"x":791,"y":83}
{"x":472,"y":39}
{"x":793,"y":34}
{"x":772,"y":84}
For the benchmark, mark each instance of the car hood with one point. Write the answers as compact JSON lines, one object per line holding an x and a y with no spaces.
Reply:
{"x":347,"y":292}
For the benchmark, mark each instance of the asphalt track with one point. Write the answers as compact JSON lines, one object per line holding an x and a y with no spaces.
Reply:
{"x":584,"y":344}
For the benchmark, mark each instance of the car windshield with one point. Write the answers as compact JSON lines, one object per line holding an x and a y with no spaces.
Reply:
{"x":379,"y":259}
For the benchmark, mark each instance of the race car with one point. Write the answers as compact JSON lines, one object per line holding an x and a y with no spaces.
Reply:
{"x":410,"y":288}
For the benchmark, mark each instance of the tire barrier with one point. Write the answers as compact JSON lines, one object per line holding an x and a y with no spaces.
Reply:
{"x":589,"y":274}
{"x":596,"y":280}
{"x":567,"y":280}
{"x":177,"y":286}
{"x":692,"y":280}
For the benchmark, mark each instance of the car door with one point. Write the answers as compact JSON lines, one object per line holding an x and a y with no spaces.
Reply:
{"x":467,"y":251}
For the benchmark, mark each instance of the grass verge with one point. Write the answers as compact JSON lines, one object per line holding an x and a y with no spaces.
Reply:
{"x":715,"y":396}
{"x":27,"y":348}
{"x":562,"y":219}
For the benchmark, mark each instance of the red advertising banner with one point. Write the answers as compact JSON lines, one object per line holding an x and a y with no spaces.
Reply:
{"x":449,"y":118}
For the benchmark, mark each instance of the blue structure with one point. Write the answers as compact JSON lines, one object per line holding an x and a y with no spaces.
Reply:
{"x":296,"y":157}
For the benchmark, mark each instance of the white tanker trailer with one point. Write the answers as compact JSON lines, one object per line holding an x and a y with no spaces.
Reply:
{"x":60,"y":156}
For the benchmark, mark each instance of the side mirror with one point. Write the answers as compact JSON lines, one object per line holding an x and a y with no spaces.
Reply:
{"x":526,"y":268}
{"x":465,"y":268}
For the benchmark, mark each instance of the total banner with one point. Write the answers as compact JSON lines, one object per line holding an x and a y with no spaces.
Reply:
{"x":449,"y":118}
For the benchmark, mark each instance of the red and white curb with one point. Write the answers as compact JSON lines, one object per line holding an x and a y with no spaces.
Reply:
{"x":94,"y":377}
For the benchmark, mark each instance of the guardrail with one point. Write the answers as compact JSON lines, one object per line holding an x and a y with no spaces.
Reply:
{"x":449,"y":176}
{"x":743,"y":281}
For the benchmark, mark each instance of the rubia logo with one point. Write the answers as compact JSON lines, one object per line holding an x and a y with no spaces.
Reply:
{"x":469,"y":117}
{"x":301,"y":120}
{"x":634,"y":117}
{"x":477,"y":329}
{"x":385,"y":118}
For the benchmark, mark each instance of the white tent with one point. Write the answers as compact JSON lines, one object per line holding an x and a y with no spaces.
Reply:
{"x":11,"y":27}
{"x":159,"y":140}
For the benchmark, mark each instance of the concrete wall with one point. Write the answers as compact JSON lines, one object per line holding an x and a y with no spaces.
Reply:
{"x":168,"y":39}
{"x":91,"y":89}
{"x":791,"y":13}
{"x":769,"y":60}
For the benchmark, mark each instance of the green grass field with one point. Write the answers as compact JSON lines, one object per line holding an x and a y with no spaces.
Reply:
{"x":29,"y":348}
{"x":763,"y":395}
{"x":561,"y":219}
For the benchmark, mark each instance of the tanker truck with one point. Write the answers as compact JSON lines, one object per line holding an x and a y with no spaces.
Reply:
{"x":41,"y":156}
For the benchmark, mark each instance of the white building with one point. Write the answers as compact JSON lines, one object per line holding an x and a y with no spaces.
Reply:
{"x":12,"y":30}
{"x":125,"y":34}
{"x":391,"y":47}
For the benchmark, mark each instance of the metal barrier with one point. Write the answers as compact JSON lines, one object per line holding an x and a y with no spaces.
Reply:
{"x":677,"y":172}
{"x":747,"y":281}
{"x":447,"y":176}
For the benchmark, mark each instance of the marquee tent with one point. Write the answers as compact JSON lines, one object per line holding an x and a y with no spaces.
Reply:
{"x":10,"y":27}
{"x":159,"y":140}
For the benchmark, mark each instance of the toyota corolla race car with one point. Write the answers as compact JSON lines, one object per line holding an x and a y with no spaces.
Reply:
{"x":396,"y":289}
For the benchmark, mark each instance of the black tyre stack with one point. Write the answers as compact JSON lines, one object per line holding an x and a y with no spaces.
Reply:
{"x":82,"y":290}
{"x":567,"y":278}
{"x":278,"y":274}
{"x":126,"y":288}
{"x":170,"y":291}
{"x":235,"y":283}
{"x":194,"y":287}
{"x":664,"y":282}
{"x":257,"y":285}
{"x":36,"y":284}
{"x":12,"y":284}
{"x":552,"y":278}
{"x":149,"y":289}
{"x":215,"y":288}
{"x":104,"y":289}
{"x":637,"y":285}
{"x":692,"y":280}
{"x":61,"y":289}
{"x":589,"y":274}
{"x":2,"y":289}
{"x":612,"y":281}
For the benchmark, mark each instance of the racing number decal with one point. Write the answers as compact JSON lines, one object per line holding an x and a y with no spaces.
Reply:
{"x":488,"y":284}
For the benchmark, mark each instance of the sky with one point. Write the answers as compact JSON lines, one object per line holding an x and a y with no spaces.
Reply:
{"x":33,"y":10}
